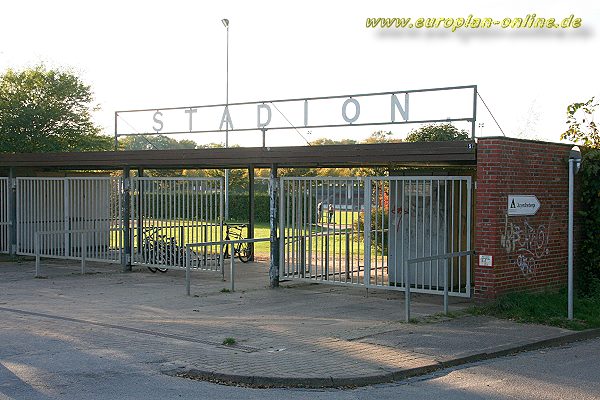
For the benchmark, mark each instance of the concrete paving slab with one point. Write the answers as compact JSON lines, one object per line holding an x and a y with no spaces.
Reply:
{"x":298,"y":335}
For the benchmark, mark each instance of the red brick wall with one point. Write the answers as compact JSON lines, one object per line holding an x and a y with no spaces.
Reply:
{"x":529,"y":252}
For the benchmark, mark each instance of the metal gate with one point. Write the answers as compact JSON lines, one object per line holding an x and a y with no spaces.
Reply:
{"x":60,"y":210}
{"x":168,"y":213}
{"x":4,"y":215}
{"x":361,"y":231}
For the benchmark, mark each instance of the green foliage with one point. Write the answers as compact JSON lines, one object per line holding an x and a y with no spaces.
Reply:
{"x":583,"y":130}
{"x":549,"y":308}
{"x":155,"y":142}
{"x":238,"y":207}
{"x":588,"y":260}
{"x":437,"y":133}
{"x":586,"y":131}
{"x":45,"y":110}
{"x":381,"y":137}
{"x":229,"y":341}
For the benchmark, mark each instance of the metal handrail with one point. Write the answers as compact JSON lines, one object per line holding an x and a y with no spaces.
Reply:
{"x":81,"y":232}
{"x":417,"y":260}
{"x":221,"y":243}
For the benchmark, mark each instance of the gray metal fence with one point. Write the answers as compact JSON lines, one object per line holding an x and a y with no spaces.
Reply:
{"x":4,"y":215}
{"x":360,"y":231}
{"x":91,"y":204}
{"x":168,"y":213}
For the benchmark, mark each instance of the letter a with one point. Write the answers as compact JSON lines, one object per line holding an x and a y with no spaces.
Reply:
{"x":226,"y":118}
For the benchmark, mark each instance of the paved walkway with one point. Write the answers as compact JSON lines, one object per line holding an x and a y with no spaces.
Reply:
{"x":298,"y":335}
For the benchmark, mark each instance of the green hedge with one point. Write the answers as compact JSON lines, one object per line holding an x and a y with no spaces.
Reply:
{"x":163,"y":206}
{"x":589,"y":217}
{"x":238,"y":207}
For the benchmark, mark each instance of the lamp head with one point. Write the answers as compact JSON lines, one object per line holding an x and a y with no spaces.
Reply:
{"x":575,"y":155}
{"x":225,"y":22}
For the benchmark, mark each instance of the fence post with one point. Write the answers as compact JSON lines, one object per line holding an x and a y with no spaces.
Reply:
{"x":126,"y":260}
{"x":407,"y":291}
{"x":367,"y":232}
{"x":446,"y":287}
{"x":187,"y":270}
{"x":232,"y":268}
{"x":347,"y":255}
{"x":273,"y":219}
{"x":251,"y":209}
{"x":327,"y":256}
{"x":83,"y":252}
{"x":303,"y":255}
{"x":12,"y":212}
{"x":36,"y":246}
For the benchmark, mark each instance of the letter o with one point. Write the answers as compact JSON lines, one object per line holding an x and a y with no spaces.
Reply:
{"x":356,"y":107}
{"x":506,"y":22}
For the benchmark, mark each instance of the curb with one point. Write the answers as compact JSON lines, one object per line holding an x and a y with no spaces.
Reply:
{"x":358,"y":381}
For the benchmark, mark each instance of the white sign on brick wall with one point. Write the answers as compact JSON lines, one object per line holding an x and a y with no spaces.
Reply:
{"x":523,"y":204}
{"x":485,"y":261}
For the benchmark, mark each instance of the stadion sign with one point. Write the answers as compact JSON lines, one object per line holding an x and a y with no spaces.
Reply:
{"x":383,"y":108}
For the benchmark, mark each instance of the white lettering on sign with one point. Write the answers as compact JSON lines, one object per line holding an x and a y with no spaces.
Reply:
{"x":381,"y":108}
{"x":485,"y":261}
{"x":396,"y":105}
{"x":356,"y":110}
{"x":191,"y":111}
{"x":226,"y":119}
{"x":160,"y":126}
{"x":523,"y":205}
{"x":259,"y":123}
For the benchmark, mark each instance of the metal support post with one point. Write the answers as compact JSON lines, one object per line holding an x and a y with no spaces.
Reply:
{"x":36,"y":249}
{"x":116,"y":132}
{"x":570,"y":243}
{"x":126,"y":260}
{"x":273,"y":221}
{"x":251,"y":209}
{"x":12,"y":212}
{"x":187,"y":270}
{"x":474,"y":112}
{"x":302,"y":256}
{"x":367,"y":232}
{"x":232,"y":268}
{"x":83,"y":252}
{"x":406,"y":291}
{"x":226,"y":213}
{"x":347,"y":255}
{"x":140,"y":212}
{"x":446,"y":288}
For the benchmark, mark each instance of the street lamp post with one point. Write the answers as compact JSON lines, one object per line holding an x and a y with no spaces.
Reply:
{"x":225,"y":22}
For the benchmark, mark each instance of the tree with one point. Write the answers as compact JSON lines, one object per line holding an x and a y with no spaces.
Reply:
{"x":45,"y":110}
{"x":437,"y":133}
{"x":586,"y":131}
{"x":381,"y":137}
{"x":583,"y":130}
{"x":158,"y":142}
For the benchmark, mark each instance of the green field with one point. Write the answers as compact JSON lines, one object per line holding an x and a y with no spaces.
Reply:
{"x":194,"y":234}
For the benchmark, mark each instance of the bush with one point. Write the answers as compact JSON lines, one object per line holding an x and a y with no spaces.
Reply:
{"x":588,"y":260}
{"x":238,"y":207}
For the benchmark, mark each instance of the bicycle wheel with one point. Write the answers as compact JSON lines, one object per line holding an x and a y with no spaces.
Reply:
{"x":244,"y":252}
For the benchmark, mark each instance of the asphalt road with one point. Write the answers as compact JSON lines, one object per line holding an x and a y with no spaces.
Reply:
{"x":570,"y":372}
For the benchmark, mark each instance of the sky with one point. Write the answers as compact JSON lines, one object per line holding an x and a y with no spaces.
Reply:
{"x":151,"y":54}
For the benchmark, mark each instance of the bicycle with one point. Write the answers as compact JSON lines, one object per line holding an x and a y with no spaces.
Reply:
{"x":161,"y":250}
{"x":243,"y":251}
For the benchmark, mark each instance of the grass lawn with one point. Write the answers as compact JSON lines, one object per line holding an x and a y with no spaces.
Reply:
{"x":177,"y":228}
{"x":548,"y":308}
{"x":261,"y":230}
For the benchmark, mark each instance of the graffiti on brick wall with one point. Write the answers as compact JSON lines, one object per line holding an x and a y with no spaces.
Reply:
{"x":528,"y":243}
